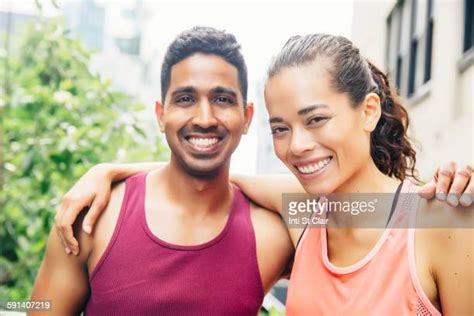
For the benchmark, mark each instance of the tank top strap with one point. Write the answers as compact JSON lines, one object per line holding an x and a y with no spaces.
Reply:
{"x":241,"y":223}
{"x":406,"y":205}
{"x":413,"y":200}
{"x":134,"y":190}
{"x":135,"y":193}
{"x":240,"y":204}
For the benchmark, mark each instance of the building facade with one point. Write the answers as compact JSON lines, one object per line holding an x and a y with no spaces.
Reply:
{"x":427,"y":49}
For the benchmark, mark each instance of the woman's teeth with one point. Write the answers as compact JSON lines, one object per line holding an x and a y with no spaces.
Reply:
{"x":203,"y":142}
{"x":313,"y":167}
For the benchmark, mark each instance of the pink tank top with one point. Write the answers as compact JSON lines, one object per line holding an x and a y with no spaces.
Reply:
{"x":384,"y":282}
{"x":140,"y":274}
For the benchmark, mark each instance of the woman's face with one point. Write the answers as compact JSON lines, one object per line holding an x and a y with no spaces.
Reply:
{"x":317,"y":133}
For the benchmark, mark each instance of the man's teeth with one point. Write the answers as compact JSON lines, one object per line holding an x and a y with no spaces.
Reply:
{"x":314,"y":167}
{"x":203,"y":142}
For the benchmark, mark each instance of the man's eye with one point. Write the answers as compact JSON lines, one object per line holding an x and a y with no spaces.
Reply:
{"x":184,"y":99}
{"x":223,"y":99}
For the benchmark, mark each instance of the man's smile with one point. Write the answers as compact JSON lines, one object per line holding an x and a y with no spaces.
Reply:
{"x":204,"y":143}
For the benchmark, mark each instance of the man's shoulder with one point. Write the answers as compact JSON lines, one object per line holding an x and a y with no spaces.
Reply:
{"x":269,"y":227}
{"x":106,"y":218}
{"x":274,"y":247}
{"x":265,"y":218}
{"x":112,"y":210}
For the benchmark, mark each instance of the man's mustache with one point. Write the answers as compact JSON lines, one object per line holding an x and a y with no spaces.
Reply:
{"x":214,"y":130}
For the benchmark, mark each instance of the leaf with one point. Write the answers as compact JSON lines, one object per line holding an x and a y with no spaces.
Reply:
{"x":52,"y":143}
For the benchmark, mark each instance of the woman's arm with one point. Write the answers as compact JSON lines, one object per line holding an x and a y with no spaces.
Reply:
{"x":129,"y":169}
{"x":92,"y":191}
{"x":455,"y":271}
{"x":447,"y":236}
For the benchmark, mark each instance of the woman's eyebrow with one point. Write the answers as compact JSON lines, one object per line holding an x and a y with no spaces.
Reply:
{"x":310,"y":108}
{"x":304,"y":111}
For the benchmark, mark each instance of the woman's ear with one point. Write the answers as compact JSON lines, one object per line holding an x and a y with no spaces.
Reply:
{"x":372,"y":111}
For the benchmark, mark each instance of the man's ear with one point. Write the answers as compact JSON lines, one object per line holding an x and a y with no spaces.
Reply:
{"x":159,"y":115}
{"x":372,"y":111}
{"x":248,"y":115}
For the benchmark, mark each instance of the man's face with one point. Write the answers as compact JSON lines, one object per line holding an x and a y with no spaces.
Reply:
{"x":203,"y":116}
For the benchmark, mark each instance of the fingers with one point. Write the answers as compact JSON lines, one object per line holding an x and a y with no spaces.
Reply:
{"x":98,"y":205}
{"x":69,"y":210}
{"x":468,"y":195}
{"x":460,"y":182}
{"x":66,"y":230}
{"x":445,"y":177}
{"x":428,"y":190}
{"x":57,"y":224}
{"x":68,"y":251}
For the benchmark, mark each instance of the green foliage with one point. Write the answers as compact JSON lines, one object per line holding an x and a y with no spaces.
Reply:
{"x":59,"y":120}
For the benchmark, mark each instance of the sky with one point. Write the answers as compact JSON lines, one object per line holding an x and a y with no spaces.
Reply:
{"x":261,"y":26}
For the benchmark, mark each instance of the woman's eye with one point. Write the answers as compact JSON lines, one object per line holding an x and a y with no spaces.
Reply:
{"x":317,"y":119}
{"x":278,"y":130}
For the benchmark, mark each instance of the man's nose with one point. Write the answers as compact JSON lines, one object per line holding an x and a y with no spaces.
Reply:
{"x":204,"y":116}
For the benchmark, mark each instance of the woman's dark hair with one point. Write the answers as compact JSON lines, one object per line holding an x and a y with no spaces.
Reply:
{"x":351,"y":73}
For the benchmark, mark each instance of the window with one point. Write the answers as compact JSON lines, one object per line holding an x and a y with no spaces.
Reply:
{"x":409,"y":44}
{"x":413,"y":50}
{"x":429,"y":41}
{"x":468,"y":25}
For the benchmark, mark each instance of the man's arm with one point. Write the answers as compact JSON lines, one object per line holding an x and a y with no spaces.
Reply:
{"x":62,"y":279}
{"x":452,"y":184}
{"x":93,"y":191}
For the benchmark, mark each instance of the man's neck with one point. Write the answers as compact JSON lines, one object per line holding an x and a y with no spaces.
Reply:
{"x":213,"y":193}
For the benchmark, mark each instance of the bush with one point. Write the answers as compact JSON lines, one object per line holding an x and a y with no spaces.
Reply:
{"x":59,"y":119}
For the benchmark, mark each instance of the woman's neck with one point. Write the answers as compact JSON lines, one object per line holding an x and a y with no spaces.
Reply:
{"x":369,"y":179}
{"x":365,"y":185}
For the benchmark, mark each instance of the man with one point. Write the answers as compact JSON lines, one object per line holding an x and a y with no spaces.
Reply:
{"x":181,"y":239}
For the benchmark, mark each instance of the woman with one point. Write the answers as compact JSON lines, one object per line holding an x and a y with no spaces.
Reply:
{"x":339,"y":128}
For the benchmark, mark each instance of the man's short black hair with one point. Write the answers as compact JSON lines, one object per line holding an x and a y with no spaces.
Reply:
{"x":206,"y":40}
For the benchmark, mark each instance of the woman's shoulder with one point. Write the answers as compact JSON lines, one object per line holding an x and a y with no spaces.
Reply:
{"x":447,"y":231}
{"x":439,"y":214}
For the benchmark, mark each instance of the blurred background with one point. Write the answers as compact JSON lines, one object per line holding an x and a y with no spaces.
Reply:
{"x":79,"y":80}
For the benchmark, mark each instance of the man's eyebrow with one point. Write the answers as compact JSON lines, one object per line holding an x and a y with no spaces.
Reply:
{"x":276,"y":119}
{"x":310,"y":108}
{"x":187,"y":89}
{"x":225,"y":90}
